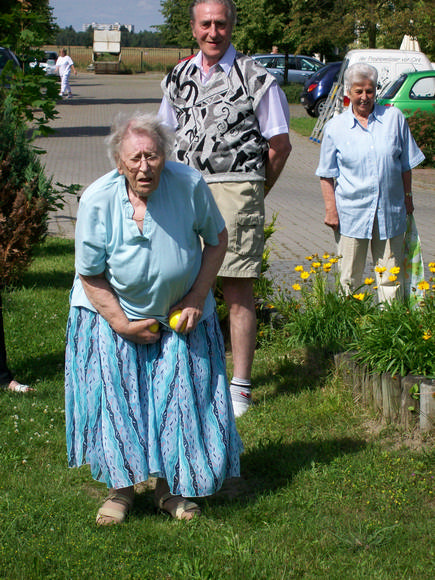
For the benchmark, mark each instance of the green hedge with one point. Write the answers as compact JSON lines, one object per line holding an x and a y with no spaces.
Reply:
{"x":422,"y":125}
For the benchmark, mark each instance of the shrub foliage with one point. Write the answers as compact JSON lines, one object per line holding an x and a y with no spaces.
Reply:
{"x":26,"y":196}
{"x":422,"y":125}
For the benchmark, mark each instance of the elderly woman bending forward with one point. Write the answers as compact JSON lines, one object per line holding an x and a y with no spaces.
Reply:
{"x":142,"y":399}
{"x":366,"y":158}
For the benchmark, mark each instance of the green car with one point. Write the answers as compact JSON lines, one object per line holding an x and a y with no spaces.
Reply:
{"x":411,"y":91}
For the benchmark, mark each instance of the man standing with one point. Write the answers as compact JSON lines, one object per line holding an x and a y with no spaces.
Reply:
{"x":231,"y":121}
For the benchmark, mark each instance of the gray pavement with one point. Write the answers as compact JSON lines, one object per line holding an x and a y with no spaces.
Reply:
{"x":76,"y":154}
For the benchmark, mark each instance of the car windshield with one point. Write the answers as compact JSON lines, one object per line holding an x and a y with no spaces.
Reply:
{"x":309,"y":64}
{"x":391,"y":90}
{"x":50,"y":56}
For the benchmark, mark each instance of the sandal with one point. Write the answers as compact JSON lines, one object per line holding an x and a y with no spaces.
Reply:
{"x":17,"y":387}
{"x":108,"y":516}
{"x":182,"y":509}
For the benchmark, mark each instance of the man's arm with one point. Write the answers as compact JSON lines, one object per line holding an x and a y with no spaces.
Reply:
{"x":279,"y":150}
{"x":328,"y":192}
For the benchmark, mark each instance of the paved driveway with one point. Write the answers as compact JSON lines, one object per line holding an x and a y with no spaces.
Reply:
{"x":76,"y":154}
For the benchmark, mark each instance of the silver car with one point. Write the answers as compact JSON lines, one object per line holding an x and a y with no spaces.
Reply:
{"x":300,"y":67}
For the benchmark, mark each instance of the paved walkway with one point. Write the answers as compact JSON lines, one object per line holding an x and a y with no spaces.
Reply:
{"x":76,"y":154}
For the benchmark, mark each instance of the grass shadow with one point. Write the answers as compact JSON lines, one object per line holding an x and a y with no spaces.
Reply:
{"x":272,"y":465}
{"x":306,"y":371}
{"x":55,"y":265}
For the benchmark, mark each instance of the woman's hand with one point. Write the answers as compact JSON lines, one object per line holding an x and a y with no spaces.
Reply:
{"x":191,"y":312}
{"x":138,"y":331}
{"x":331,"y":219}
{"x":328,"y":191}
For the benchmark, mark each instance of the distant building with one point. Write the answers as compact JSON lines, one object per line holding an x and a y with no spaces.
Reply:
{"x":116,"y":26}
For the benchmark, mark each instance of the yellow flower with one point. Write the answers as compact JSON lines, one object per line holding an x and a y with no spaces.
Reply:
{"x":426,"y":335}
{"x":369,"y":281}
{"x":296,"y":287}
{"x":299,"y":269}
{"x":432,"y":269}
{"x":305,"y":275}
{"x":395,"y":270}
{"x":392,"y":278}
{"x":326,"y":256}
{"x":423,"y":285}
{"x":316,"y":264}
{"x":359,"y":296}
{"x":380,"y":269}
{"x":309,"y":258}
{"x":431,"y":265}
{"x":333,"y":260}
{"x":327,"y":267}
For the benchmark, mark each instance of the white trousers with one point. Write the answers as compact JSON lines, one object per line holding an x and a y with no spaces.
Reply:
{"x":385,"y":253}
{"x":64,"y":84}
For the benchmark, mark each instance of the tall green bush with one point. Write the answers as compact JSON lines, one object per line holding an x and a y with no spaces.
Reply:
{"x":27,"y":196}
{"x":422,"y":125}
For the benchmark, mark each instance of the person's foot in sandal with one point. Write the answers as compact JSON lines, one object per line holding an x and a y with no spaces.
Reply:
{"x":17,"y":387}
{"x":115,"y":507}
{"x":175,"y":505}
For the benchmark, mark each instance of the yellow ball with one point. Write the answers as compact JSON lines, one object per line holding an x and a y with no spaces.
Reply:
{"x":174,"y":318}
{"x":154,"y":327}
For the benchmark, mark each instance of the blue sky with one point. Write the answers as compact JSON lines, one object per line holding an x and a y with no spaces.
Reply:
{"x":143,"y":14}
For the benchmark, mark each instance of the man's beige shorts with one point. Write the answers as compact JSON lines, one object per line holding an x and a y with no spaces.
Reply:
{"x":242,"y":207}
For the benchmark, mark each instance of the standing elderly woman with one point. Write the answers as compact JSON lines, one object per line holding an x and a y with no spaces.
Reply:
{"x":141,"y":399}
{"x":366,"y":158}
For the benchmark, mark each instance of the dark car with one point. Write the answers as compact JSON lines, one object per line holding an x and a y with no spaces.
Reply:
{"x":317,"y":87}
{"x":6,"y":56}
{"x":300,"y":67}
{"x":48,"y":62}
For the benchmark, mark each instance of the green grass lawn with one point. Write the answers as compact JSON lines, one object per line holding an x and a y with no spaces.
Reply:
{"x":324,"y":494}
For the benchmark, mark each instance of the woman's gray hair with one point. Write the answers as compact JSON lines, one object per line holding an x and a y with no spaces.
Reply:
{"x":138,"y":122}
{"x":360,"y":72}
{"x":229,"y":5}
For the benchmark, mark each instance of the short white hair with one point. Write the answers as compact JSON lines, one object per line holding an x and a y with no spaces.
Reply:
{"x":360,"y":72}
{"x":137,"y":122}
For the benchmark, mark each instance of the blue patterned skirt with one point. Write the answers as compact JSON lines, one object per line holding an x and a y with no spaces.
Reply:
{"x":161,"y":410}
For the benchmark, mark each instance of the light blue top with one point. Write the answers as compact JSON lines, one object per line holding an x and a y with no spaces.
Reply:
{"x":368,"y":165}
{"x":153,"y":270}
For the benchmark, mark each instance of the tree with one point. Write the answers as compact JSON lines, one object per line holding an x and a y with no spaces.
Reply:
{"x":176,"y":30}
{"x":329,"y":27}
{"x":27,"y":104}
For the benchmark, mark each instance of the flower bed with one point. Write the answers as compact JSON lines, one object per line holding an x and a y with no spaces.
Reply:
{"x":392,"y":362}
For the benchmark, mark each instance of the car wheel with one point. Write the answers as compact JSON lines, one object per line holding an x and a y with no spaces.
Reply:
{"x":319,"y":107}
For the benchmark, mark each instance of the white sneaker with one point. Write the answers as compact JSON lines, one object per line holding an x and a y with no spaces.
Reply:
{"x":241,"y":406}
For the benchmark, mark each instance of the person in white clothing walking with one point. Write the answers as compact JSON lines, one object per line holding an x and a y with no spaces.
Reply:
{"x":64,"y":66}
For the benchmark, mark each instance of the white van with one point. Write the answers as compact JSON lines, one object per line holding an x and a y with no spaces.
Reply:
{"x":390,"y":63}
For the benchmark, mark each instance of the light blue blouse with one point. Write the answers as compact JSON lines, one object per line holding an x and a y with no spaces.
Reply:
{"x":368,"y":165}
{"x":153,"y":270}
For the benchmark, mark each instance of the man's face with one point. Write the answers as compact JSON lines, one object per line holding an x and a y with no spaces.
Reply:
{"x":212,"y":30}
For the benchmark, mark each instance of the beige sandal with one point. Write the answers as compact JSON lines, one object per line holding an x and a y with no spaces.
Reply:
{"x":115,"y":516}
{"x":181,"y":510}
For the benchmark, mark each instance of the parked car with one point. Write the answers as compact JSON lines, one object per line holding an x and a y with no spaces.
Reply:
{"x":317,"y":87}
{"x":411,"y":91}
{"x":6,"y":55}
{"x":300,"y":67}
{"x":48,"y":62}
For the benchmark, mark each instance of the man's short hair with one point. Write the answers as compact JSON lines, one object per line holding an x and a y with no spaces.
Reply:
{"x":229,"y":5}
